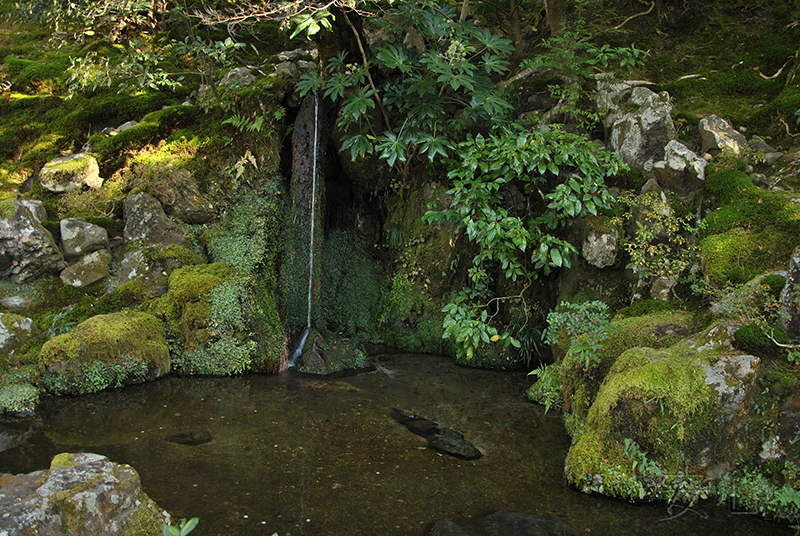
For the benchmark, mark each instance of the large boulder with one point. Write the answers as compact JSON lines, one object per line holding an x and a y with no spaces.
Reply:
{"x":226,"y":321}
{"x":662,"y":415}
{"x":87,"y":270}
{"x":146,"y":222}
{"x":639,"y":126}
{"x":80,"y":495}
{"x":70,"y":172}
{"x":105,"y":351}
{"x":27,"y":250}
{"x":718,"y":135}
{"x":79,"y":237}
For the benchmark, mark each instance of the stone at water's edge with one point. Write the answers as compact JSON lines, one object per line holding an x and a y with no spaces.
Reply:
{"x":502,"y":523}
{"x":81,"y":494}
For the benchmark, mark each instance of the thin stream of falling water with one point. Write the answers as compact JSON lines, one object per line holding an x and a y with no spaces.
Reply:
{"x":313,"y":207}
{"x":299,"y":350}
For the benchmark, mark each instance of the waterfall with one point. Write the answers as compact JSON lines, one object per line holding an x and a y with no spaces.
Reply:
{"x":299,"y":350}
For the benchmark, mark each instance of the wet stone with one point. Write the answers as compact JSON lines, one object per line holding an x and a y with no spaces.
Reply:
{"x":191,"y":439}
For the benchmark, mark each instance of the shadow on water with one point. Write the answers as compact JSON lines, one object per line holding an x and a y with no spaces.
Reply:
{"x":298,"y":455}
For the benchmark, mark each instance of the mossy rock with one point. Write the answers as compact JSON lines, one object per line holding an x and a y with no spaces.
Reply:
{"x":733,"y":256}
{"x":17,"y":334}
{"x":681,"y":407}
{"x":579,"y":386}
{"x":329,"y":353}
{"x":226,"y":321}
{"x":105,"y":351}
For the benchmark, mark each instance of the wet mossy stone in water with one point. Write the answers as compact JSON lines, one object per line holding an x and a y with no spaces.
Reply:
{"x":444,"y":440}
{"x":329,"y":353}
{"x":106,"y":351}
{"x":191,"y":439}
{"x":226,"y":321}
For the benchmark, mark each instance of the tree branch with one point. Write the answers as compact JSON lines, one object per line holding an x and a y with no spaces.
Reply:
{"x":366,"y":67}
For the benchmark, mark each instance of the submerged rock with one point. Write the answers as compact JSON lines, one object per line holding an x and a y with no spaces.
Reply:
{"x":502,"y":523}
{"x":81,"y":494}
{"x":444,"y":440}
{"x":191,"y":439}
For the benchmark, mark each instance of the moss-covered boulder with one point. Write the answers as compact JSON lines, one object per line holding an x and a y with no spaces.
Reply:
{"x":81,"y":494}
{"x":579,"y":385}
{"x":71,"y":172}
{"x":105,"y":351}
{"x":225,"y":321}
{"x":329,"y":353}
{"x":665,"y":420}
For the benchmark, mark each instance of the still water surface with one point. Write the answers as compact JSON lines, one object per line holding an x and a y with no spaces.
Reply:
{"x":299,"y":455}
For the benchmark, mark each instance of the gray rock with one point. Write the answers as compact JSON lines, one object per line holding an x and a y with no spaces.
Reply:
{"x":600,"y":241}
{"x":79,"y":237}
{"x":27,"y":250}
{"x":150,"y":267}
{"x":681,"y":170}
{"x":717,"y":135}
{"x":770,"y":153}
{"x":640,"y":127}
{"x":80,"y":495}
{"x":146,"y":222}
{"x":237,"y":77}
{"x":662,"y":288}
{"x":37,"y":209}
{"x":790,"y":298}
{"x":287,"y":70}
{"x":90,"y":269}
{"x":184,"y":200}
{"x":70,"y":172}
{"x":454,"y":443}
{"x":15,"y":330}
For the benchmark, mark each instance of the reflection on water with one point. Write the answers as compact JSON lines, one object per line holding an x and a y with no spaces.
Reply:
{"x":298,"y":455}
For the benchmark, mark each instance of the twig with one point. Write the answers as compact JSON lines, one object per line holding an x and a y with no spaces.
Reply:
{"x":366,"y":68}
{"x":626,"y":21}
{"x":776,"y":75}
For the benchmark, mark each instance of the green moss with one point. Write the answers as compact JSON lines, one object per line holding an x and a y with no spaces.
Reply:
{"x":750,"y":338}
{"x":8,"y":207}
{"x":63,"y":460}
{"x":226,"y":322}
{"x":350,"y":287}
{"x":104,"y":338}
{"x":733,"y":256}
{"x":248,"y":238}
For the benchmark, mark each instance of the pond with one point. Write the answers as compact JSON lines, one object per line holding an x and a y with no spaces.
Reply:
{"x":303,"y":455}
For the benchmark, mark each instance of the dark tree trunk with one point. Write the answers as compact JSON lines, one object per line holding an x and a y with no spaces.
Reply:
{"x":555,"y":16}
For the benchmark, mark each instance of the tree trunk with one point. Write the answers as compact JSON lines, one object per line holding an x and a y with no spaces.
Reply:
{"x":516,"y":29}
{"x":555,"y":16}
